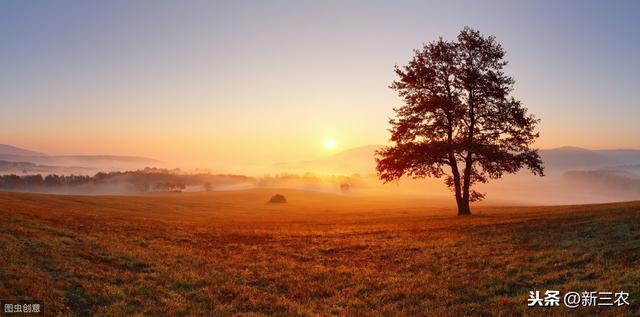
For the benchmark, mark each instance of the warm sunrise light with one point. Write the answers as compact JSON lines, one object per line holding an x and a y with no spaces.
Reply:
{"x":329,"y":144}
{"x":326,"y":158}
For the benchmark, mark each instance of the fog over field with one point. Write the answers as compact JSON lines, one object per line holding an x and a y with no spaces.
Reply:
{"x":573,"y":175}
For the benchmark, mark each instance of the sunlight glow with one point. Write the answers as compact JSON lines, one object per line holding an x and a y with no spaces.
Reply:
{"x":329,"y":144}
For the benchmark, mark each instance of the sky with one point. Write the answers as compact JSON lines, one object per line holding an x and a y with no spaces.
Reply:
{"x":222,"y":84}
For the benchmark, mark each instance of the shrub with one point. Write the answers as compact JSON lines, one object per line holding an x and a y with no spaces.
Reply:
{"x":277,"y":199}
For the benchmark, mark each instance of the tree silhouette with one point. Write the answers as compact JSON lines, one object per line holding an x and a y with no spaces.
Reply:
{"x":458,"y":120}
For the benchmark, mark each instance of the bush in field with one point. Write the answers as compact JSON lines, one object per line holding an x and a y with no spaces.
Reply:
{"x":277,"y":199}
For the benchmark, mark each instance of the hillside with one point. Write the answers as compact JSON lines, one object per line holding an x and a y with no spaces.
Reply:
{"x":356,"y":160}
{"x":574,"y":158}
{"x":6,"y":149}
{"x":68,"y":164}
{"x":232,"y":253}
{"x":13,"y":167}
{"x":94,"y":161}
{"x":361,"y":160}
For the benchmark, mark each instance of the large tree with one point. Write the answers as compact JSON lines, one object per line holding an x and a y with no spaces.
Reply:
{"x":458,"y":120}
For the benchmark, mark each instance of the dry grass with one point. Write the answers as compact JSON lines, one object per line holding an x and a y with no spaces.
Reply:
{"x":221,"y":254}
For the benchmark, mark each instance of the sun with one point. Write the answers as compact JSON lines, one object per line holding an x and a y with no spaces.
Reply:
{"x":329,"y":144}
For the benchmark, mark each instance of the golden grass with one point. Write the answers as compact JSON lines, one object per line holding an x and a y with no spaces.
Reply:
{"x":224,"y":254}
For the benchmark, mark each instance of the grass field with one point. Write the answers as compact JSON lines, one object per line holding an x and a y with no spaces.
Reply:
{"x":225,"y":254}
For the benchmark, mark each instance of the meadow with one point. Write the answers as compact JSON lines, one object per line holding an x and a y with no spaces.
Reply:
{"x":233,"y":254}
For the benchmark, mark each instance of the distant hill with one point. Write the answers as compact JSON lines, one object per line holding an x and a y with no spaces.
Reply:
{"x":13,"y":167}
{"x":89,"y":162}
{"x":361,"y":160}
{"x":104,"y":158}
{"x":6,"y":149}
{"x":96,"y":162}
{"x":356,"y":160}
{"x":575,"y":158}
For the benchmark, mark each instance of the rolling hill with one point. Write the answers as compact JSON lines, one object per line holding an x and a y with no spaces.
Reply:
{"x":58,"y":163}
{"x":361,"y":160}
{"x":6,"y":149}
{"x":356,"y":160}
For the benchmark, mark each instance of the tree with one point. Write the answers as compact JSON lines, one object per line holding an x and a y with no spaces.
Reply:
{"x":458,"y":120}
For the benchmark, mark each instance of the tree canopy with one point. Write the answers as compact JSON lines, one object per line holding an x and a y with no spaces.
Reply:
{"x":459,"y":120}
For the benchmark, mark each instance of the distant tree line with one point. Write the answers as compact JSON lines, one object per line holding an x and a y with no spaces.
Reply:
{"x":170,"y":180}
{"x":148,"y":179}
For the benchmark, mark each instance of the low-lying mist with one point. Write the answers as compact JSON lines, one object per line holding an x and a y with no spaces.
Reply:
{"x":558,"y":187}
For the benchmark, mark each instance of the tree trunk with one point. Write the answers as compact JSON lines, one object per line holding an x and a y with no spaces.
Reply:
{"x":463,"y":207}
{"x":463,"y":203}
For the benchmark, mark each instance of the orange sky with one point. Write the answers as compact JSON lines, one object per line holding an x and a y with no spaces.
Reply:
{"x":228,"y":85}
